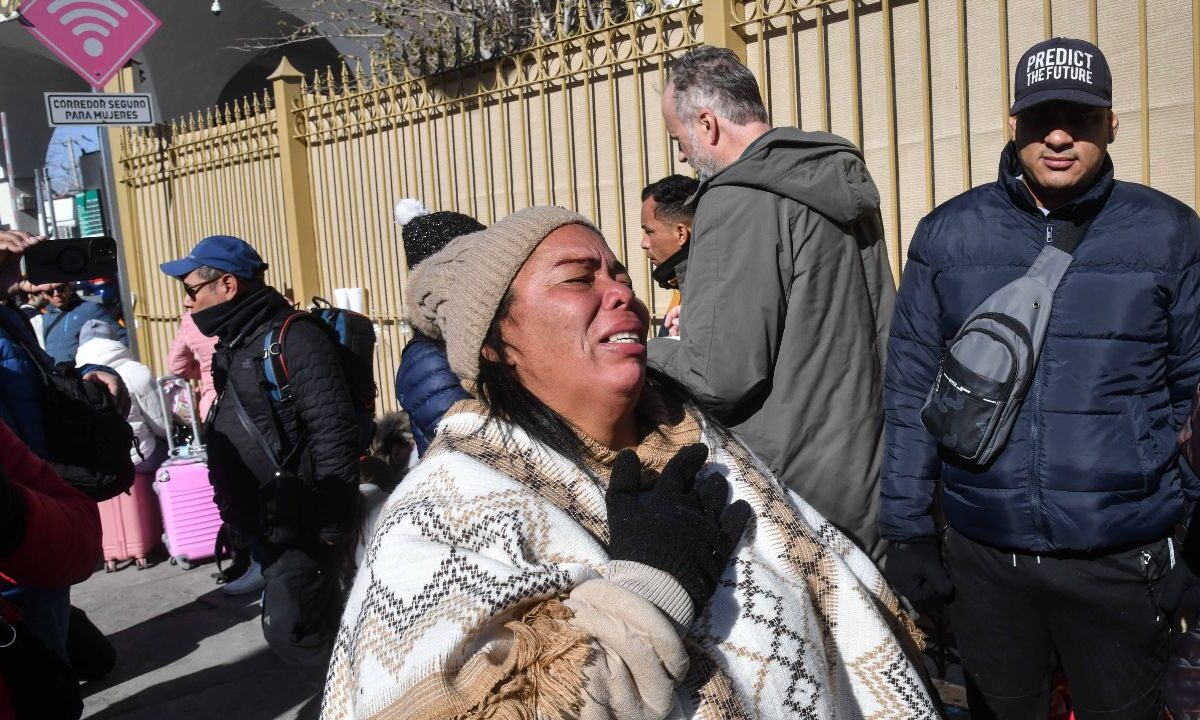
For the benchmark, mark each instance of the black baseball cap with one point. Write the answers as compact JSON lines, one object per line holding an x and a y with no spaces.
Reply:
{"x":1062,"y":69}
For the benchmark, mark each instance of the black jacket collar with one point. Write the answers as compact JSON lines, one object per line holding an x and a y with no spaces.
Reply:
{"x":665,"y":274}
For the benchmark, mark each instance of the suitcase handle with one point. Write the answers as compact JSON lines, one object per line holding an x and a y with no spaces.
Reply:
{"x":168,"y":381}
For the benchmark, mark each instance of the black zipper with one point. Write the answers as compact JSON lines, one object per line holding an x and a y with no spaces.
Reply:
{"x":1035,"y":479}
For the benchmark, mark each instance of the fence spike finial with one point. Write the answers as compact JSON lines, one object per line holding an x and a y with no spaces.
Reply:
{"x":285,"y":71}
{"x":330,"y":81}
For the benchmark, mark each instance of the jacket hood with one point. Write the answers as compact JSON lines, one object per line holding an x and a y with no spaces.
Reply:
{"x":102,"y":351}
{"x":823,"y":171}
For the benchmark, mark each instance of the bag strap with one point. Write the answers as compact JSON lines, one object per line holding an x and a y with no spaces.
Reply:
{"x":239,"y":410}
{"x":54,"y":323}
{"x":274,"y":364}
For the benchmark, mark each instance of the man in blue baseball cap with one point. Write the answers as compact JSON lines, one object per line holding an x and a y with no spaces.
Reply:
{"x":1061,"y":545}
{"x":214,"y":269}
{"x":283,"y":457}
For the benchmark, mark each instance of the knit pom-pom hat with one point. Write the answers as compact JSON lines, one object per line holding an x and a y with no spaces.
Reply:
{"x":408,"y":209}
{"x":425,"y":235}
{"x":454,"y":294}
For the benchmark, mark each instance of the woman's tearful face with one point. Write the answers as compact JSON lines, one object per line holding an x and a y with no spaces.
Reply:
{"x":575,"y":329}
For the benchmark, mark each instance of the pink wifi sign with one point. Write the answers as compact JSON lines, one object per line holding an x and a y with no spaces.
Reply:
{"x":94,"y":37}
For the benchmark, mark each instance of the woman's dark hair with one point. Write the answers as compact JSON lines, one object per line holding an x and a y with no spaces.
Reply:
{"x":508,"y":400}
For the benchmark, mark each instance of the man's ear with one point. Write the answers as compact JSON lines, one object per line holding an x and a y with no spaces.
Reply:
{"x":683,"y":233}
{"x":709,"y":125}
{"x":1113,"y":125}
{"x":489,"y":354}
{"x":1012,"y":127}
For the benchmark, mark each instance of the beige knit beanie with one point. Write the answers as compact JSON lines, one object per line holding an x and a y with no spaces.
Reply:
{"x":454,"y":294}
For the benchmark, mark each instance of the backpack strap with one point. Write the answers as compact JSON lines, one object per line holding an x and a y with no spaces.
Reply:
{"x":275,"y":370}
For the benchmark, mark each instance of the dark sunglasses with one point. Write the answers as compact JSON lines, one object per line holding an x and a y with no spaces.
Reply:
{"x":192,"y":290}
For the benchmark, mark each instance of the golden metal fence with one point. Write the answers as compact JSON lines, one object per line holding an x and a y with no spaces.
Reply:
{"x":923,"y":86}
{"x":216,"y":173}
{"x":309,"y":174}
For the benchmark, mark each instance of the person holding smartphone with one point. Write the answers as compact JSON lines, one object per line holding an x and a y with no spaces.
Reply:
{"x":45,"y":608}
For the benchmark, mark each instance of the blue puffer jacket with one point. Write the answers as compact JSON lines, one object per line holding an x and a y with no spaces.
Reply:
{"x":426,"y":387}
{"x":1092,"y":462}
{"x":61,"y":329}
{"x":20,"y":381}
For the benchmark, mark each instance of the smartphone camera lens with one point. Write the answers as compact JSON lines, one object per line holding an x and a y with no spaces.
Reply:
{"x":103,"y":250}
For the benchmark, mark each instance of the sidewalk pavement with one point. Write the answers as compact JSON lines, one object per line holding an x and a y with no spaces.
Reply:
{"x":185,"y":651}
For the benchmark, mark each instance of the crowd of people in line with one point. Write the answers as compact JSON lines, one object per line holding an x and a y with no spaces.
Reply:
{"x":739,"y":515}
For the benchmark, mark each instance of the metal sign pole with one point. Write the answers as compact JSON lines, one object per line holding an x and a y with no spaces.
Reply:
{"x":114,"y":229}
{"x":8,"y":168}
{"x":48,"y":193}
{"x":40,"y":198}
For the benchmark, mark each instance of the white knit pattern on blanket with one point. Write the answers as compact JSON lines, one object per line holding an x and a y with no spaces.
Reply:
{"x":797,"y":628}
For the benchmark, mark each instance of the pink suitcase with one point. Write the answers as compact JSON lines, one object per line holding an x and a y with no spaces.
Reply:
{"x":190,"y":516}
{"x":130,"y":523}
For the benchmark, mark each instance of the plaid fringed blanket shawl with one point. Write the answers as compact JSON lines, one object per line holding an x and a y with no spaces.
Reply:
{"x":457,"y":610}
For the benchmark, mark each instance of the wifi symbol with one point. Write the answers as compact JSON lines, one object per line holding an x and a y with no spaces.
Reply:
{"x":87,"y":20}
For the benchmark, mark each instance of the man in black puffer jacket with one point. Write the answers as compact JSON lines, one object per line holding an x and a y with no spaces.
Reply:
{"x":1061,"y":545}
{"x":284,"y":473}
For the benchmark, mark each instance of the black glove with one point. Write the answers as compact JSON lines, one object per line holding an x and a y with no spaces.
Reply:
{"x":680,"y":526}
{"x":915,"y":570}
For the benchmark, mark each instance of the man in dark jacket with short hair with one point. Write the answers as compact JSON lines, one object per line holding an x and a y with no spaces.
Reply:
{"x":667,"y":219}
{"x":1060,"y":546}
{"x":284,"y":472}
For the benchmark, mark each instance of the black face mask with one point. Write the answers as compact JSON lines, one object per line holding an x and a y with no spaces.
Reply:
{"x":665,"y":274}
{"x":210,"y":320}
{"x":244,"y":312}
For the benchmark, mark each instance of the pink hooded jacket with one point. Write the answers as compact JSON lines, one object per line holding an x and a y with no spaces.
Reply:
{"x":191,"y":358}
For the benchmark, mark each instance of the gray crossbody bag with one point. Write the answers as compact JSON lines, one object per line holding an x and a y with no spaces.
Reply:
{"x":990,"y":363}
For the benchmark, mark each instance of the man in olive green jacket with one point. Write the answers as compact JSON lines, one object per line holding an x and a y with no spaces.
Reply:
{"x":788,"y":295}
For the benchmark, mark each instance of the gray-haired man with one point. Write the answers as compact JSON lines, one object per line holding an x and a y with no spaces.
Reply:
{"x":788,"y":291}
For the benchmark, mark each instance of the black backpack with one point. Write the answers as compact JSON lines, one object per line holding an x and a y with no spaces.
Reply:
{"x":87,"y":439}
{"x":355,"y":337}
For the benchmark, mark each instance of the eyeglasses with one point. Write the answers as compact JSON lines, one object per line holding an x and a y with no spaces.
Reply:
{"x":192,"y":290}
{"x":60,"y":290}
